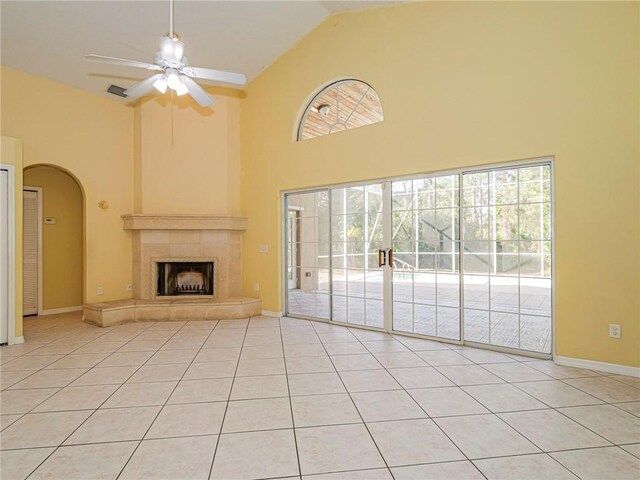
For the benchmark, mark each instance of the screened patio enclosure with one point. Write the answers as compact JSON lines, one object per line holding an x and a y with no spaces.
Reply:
{"x":463,"y":257}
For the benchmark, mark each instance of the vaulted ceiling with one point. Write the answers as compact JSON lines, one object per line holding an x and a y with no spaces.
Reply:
{"x":50,"y":38}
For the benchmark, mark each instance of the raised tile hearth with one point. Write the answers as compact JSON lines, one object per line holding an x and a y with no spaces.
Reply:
{"x":107,"y":314}
{"x":184,"y":239}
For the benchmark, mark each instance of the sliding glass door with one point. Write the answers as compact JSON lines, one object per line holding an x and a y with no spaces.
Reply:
{"x":463,"y":257}
{"x":357,"y":230}
{"x":426,"y":256}
{"x":507,"y":257}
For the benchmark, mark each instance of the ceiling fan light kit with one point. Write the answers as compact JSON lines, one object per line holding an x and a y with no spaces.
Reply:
{"x":176,"y":74}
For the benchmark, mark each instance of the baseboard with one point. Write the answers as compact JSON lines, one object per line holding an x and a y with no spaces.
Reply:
{"x":18,"y":340}
{"x":55,"y":311}
{"x":269,"y":313}
{"x":599,"y":366}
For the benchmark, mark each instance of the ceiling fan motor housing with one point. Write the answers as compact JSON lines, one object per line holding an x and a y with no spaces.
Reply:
{"x":171,"y":51}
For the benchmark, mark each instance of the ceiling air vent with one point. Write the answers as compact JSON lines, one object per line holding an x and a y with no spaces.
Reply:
{"x":116,"y":90}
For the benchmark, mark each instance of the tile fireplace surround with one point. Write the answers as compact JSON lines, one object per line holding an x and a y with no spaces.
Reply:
{"x":180,"y":238}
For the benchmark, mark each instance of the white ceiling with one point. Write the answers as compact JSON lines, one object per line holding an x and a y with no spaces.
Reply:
{"x":50,"y":38}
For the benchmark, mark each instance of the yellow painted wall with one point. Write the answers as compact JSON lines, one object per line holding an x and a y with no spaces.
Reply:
{"x":92,"y":138}
{"x":62,"y":243}
{"x":467,"y":84}
{"x":161,"y":156}
{"x":187,"y":158}
{"x":11,"y":153}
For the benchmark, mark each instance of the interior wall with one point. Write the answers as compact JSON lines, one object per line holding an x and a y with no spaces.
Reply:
{"x":187,"y":158}
{"x":11,"y":154}
{"x":62,"y":242}
{"x":162,"y":156}
{"x":467,"y":84}
{"x":92,"y":138}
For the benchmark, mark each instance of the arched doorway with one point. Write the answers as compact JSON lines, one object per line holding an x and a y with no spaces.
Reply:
{"x":53,"y":241}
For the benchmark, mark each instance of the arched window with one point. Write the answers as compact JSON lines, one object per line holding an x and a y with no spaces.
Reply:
{"x":343,"y":105}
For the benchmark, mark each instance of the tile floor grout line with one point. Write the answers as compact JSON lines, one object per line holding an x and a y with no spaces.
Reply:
{"x":284,"y":429}
{"x":383,"y":367}
{"x":516,"y":385}
{"x":293,"y":420}
{"x":584,"y":426}
{"x":168,"y":396}
{"x":113,"y":393}
{"x":74,"y":368}
{"x":353,"y":402}
{"x":550,"y":408}
{"x":432,"y":420}
{"x":592,"y":394}
{"x":617,"y":405}
{"x":516,"y":430}
{"x":95,"y":410}
{"x":226,"y":408}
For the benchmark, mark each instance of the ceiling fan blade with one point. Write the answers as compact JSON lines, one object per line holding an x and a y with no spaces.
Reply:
{"x":142,"y":88}
{"x":215,"y":75}
{"x":197,"y":92}
{"x":122,"y":61}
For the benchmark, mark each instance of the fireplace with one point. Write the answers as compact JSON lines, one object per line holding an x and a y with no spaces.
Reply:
{"x":185,"y":278}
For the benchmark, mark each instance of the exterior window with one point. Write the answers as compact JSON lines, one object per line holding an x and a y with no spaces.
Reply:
{"x":340,"y":106}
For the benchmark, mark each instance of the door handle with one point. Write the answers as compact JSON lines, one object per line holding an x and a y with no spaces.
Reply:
{"x":382,"y":257}
{"x":385,"y":257}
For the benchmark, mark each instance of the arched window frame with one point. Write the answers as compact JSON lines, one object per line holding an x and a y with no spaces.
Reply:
{"x":319,"y":93}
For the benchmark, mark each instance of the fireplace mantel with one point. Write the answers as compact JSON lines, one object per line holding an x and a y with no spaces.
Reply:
{"x":180,"y":238}
{"x":143,"y":221}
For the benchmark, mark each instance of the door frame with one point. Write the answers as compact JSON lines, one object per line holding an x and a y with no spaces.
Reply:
{"x":11,"y":251}
{"x":388,"y":318}
{"x":38,"y":190}
{"x":296,"y":270}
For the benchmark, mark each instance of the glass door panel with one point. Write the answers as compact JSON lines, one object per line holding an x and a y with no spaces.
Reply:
{"x":356,"y":235}
{"x":426,"y":253}
{"x":507,"y":257}
{"x":308,"y":265}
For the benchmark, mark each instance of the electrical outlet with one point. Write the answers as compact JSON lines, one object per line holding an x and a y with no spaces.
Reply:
{"x":100,"y":291}
{"x":129,"y":287}
{"x":256,"y":287}
{"x":264,"y":248}
{"x":614,"y":330}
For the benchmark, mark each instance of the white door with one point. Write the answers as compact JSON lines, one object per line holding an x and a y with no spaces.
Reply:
{"x":31,"y":234}
{"x":4,"y":256}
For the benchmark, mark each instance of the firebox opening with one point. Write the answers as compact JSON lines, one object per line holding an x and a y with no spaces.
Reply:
{"x":185,"y":278}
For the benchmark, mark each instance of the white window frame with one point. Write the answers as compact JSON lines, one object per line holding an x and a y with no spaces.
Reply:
{"x":546,"y":159}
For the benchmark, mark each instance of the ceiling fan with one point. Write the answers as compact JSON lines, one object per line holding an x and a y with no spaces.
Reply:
{"x":175,"y":72}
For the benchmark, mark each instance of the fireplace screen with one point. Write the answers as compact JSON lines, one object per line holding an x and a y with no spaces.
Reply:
{"x":185,"y":278}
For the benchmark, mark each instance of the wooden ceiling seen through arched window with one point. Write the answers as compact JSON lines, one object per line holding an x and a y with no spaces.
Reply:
{"x":343,"y":105}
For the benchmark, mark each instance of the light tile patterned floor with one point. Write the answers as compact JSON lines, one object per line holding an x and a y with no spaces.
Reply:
{"x":269,"y":398}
